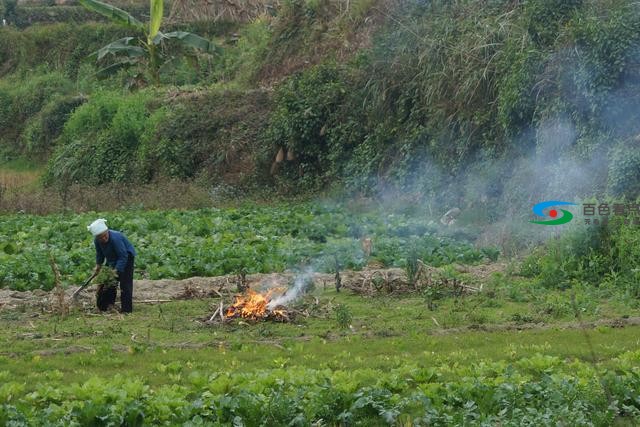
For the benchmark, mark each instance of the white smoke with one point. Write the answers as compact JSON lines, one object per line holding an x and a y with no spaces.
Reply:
{"x":300,"y":285}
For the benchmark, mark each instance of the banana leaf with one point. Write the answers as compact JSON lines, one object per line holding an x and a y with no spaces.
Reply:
{"x":156,"y":18}
{"x":109,"y":70}
{"x":187,"y":39}
{"x":113,"y":13}
{"x":120,"y":47}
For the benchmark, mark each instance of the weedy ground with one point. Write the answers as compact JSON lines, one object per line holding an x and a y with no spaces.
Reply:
{"x":165,"y":343}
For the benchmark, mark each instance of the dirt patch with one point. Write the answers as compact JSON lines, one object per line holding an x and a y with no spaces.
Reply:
{"x":147,"y":291}
{"x":158,"y":291}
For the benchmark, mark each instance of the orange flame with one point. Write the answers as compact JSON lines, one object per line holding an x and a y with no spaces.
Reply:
{"x":253,"y":305}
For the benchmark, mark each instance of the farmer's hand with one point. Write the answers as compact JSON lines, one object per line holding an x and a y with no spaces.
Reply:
{"x":97,"y":269}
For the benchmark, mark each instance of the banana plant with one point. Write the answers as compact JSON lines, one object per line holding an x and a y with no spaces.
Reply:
{"x":146,"y":48}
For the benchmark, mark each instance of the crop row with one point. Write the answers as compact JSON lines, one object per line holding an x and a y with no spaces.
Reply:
{"x":538,"y":390}
{"x":211,"y":242}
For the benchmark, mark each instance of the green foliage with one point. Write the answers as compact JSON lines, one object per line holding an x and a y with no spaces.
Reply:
{"x":344,"y":317}
{"x":44,"y":128}
{"x":624,"y":170}
{"x":107,"y":277}
{"x":605,"y":49}
{"x":37,"y":13}
{"x":240,"y":60}
{"x":453,"y":84}
{"x":99,"y":141}
{"x":436,"y":89}
{"x":450,"y":91}
{"x":212,"y":134}
{"x":544,"y":390}
{"x":297,"y":29}
{"x":62,"y":47}
{"x":42,"y":15}
{"x":593,"y":254}
{"x":516,"y":100}
{"x":145,"y":51}
{"x":574,"y":255}
{"x":8,"y":10}
{"x":213,"y":242}
{"x":307,"y":105}
{"x":122,"y":137}
{"x":22,"y":100}
{"x":434,"y":293}
{"x":544,"y":18}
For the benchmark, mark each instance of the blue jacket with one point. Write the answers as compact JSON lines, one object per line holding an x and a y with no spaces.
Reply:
{"x":116,"y":251}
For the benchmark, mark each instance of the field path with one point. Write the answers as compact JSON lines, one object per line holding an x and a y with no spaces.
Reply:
{"x":384,"y":280}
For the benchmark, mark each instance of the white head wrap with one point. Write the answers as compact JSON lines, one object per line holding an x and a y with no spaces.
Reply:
{"x":98,"y":227}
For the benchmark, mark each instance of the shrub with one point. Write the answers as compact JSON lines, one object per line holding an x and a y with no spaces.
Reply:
{"x":343,"y":316}
{"x":134,"y":138}
{"x":589,"y":255}
{"x":544,"y":17}
{"x":307,"y":105}
{"x":100,"y":140}
{"x":216,"y":134}
{"x":20,"y":100}
{"x":63,"y":47}
{"x":43,"y":129}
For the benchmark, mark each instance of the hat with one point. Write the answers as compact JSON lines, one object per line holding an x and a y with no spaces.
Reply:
{"x":98,"y":227}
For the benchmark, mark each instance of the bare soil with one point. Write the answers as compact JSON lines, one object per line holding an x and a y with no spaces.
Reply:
{"x":158,"y":291}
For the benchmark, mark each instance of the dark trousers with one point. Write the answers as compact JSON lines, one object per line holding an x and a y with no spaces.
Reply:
{"x":107,"y":297}
{"x":126,"y":286}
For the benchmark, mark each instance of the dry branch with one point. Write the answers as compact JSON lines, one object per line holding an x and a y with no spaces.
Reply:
{"x":373,"y":282}
{"x":61,"y":306}
{"x":153,"y":301}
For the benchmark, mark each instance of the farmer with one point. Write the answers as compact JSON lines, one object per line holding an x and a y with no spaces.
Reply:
{"x":119,"y":253}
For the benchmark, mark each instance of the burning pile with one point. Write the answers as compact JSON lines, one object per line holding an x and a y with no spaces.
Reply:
{"x":253,"y":306}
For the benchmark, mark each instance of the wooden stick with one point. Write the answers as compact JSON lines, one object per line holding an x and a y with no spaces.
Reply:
{"x":62,"y":307}
{"x":214,"y":315}
{"x":151,"y":301}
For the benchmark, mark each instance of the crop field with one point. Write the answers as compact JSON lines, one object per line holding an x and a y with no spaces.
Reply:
{"x":390,"y":366}
{"x":213,"y":242}
{"x":508,"y":353}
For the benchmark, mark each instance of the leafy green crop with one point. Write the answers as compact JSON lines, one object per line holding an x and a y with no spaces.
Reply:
{"x":538,"y":390}
{"x":211,"y":242}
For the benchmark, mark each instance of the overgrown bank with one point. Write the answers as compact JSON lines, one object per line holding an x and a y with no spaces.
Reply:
{"x":461,"y":103}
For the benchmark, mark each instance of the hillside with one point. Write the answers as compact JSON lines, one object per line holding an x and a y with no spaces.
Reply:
{"x":458,"y":103}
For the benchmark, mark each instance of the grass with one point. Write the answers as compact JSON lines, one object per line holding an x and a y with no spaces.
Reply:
{"x":165,"y":344}
{"x":20,"y":174}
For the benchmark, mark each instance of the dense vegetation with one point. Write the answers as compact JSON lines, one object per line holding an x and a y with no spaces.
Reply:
{"x":504,"y":92}
{"x":538,"y":390}
{"x":213,"y":242}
